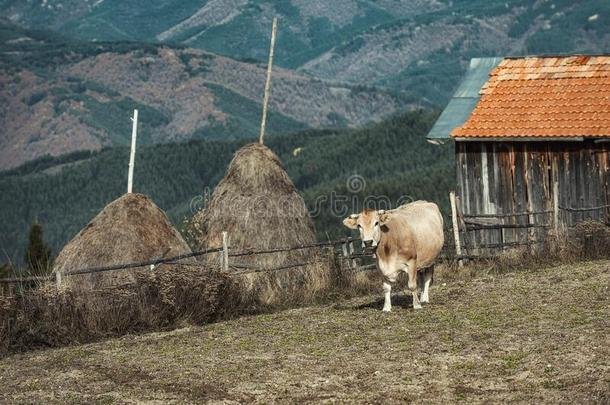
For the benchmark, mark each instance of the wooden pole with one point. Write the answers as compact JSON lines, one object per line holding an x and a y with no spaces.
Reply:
{"x":351,"y":254}
{"x":556,"y":206}
{"x":225,"y":251}
{"x":132,"y":156}
{"x":345,"y":254}
{"x":268,"y":82}
{"x":456,"y":230}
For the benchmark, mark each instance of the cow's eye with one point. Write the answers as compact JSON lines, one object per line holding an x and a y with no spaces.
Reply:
{"x":377,"y":223}
{"x":359,"y":226}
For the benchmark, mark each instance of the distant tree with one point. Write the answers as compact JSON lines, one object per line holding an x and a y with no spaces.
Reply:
{"x":38,"y":253}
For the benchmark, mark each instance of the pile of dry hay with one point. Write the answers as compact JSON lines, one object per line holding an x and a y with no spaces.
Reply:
{"x":259,"y":207}
{"x":129,"y":229}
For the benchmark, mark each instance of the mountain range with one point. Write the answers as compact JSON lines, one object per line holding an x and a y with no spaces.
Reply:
{"x":71,"y":71}
{"x":61,"y":95}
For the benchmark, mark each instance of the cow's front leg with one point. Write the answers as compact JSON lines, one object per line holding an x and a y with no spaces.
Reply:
{"x":412,"y":284}
{"x":387,"y":293}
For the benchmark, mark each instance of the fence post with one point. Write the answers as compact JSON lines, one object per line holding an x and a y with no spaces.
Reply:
{"x":556,"y":207}
{"x":225,"y":252}
{"x":350,"y":246}
{"x":456,"y":230}
{"x":58,"y":279}
{"x":345,"y":254}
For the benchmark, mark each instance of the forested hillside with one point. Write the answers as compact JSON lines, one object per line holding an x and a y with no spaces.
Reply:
{"x":61,"y":95}
{"x":65,"y":193}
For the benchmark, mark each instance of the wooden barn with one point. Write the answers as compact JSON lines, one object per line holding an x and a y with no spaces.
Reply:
{"x":532,"y":145}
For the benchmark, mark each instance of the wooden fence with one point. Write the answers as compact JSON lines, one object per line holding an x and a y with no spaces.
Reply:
{"x":476,"y":235}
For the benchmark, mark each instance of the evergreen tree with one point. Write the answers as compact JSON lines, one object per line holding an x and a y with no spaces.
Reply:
{"x":38,"y":253}
{"x":6,"y":270}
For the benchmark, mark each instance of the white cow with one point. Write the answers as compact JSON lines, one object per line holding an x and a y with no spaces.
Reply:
{"x":407,"y":239}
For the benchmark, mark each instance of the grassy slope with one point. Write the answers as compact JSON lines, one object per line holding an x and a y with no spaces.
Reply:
{"x":534,"y":336}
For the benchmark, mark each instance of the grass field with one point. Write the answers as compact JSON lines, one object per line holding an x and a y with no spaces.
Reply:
{"x":535,"y":336}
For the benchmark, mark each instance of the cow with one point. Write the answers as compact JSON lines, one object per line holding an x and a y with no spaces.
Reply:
{"x":408,"y":238}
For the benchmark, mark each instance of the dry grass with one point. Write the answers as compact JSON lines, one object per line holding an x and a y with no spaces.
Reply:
{"x":174,"y":295}
{"x":536,"y":336}
{"x":167,"y":298}
{"x":588,"y":240}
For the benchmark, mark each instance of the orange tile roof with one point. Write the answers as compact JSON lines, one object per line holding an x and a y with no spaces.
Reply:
{"x":543,"y":97}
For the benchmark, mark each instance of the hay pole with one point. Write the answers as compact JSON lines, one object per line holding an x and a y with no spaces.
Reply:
{"x":268,"y":82}
{"x":132,"y":155}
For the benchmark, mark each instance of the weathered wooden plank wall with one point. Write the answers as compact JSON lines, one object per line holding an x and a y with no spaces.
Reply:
{"x":516,"y":177}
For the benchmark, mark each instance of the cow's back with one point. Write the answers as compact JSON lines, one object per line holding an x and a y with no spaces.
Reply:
{"x":425,"y":223}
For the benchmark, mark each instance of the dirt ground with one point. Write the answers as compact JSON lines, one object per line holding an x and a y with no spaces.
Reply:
{"x":541,"y":336}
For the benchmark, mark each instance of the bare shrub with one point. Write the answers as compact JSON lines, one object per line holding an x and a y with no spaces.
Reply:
{"x":592,"y":239}
{"x":166,"y":298}
{"x":588,"y":240}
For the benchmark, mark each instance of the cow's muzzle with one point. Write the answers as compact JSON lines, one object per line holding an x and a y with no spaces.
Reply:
{"x":368,"y":243}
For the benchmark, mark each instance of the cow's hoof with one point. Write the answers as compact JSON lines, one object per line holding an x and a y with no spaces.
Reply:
{"x":386,"y":310}
{"x":417,"y":307}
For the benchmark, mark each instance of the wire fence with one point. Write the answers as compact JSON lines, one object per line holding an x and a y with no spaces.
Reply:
{"x":484,"y":235}
{"x":180,"y":260}
{"x":352,"y":254}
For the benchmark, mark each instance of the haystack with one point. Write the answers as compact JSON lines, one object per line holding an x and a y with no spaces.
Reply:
{"x":129,"y":229}
{"x":259,"y":207}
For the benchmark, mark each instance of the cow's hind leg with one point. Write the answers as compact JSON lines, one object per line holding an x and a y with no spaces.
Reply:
{"x":428,"y":276}
{"x":387,"y":293}
{"x":412,"y":284}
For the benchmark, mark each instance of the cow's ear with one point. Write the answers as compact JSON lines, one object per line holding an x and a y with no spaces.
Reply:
{"x":351,"y":221}
{"x":383,"y":217}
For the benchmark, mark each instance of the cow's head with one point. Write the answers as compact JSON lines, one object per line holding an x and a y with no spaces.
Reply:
{"x":369,"y":223}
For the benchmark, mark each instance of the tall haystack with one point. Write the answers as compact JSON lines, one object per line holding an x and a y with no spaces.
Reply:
{"x":259,"y":207}
{"x":129,"y":229}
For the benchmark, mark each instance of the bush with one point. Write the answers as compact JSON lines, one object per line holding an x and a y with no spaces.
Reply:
{"x":169,"y":297}
{"x":35,"y":98}
{"x":588,"y":240}
{"x":165,"y":298}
